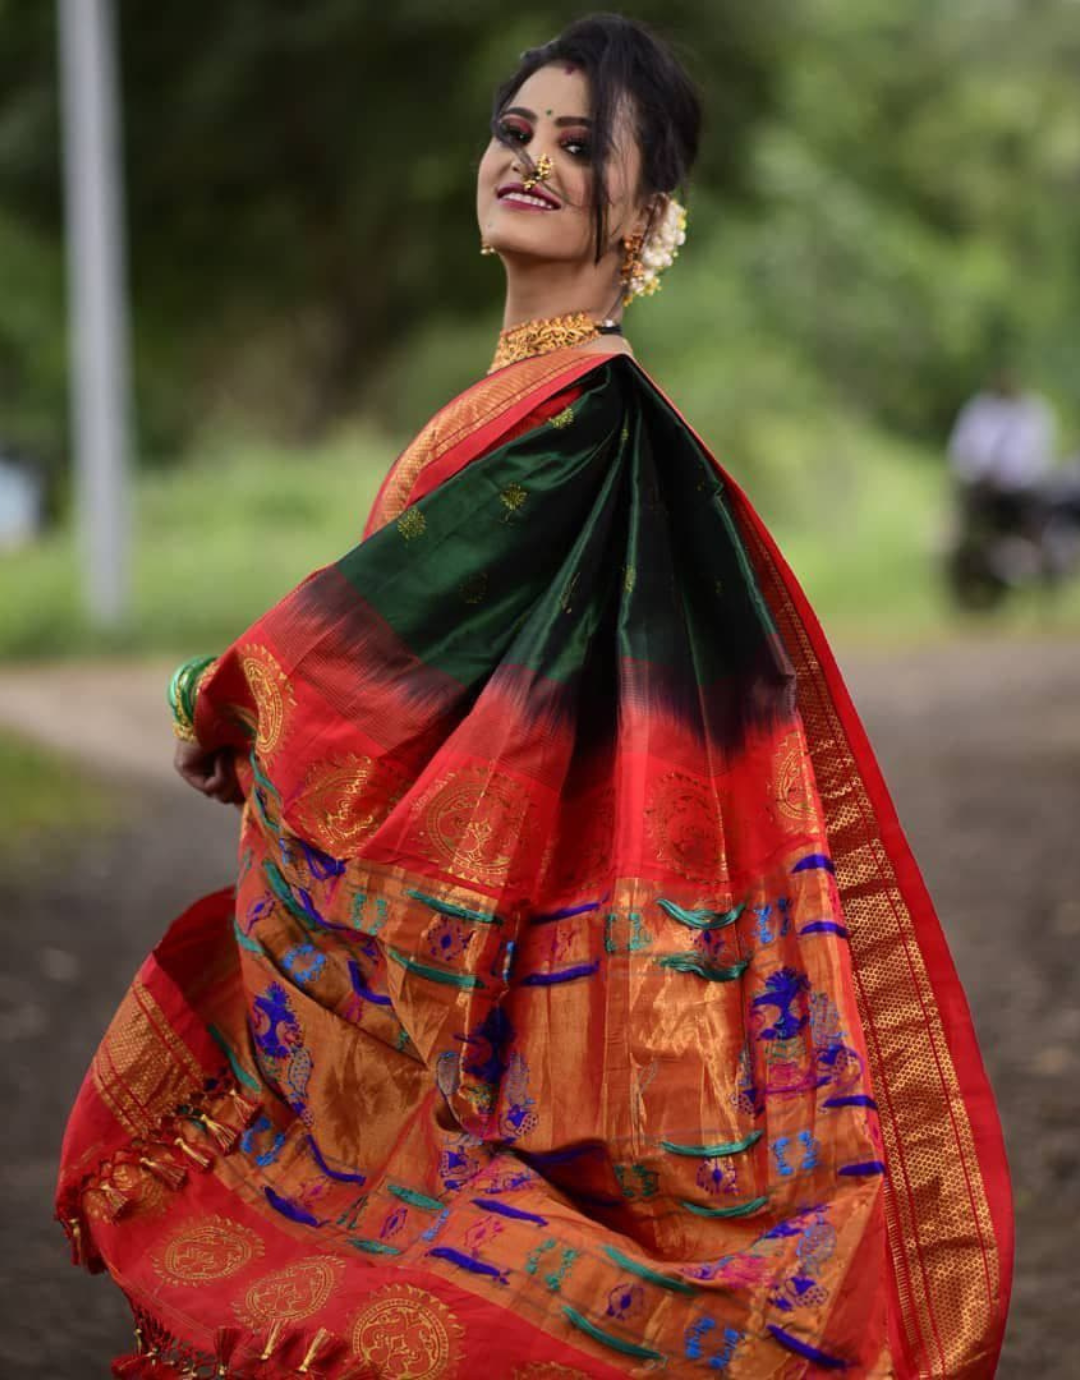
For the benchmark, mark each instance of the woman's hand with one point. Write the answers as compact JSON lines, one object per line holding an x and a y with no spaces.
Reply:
{"x":211,"y":772}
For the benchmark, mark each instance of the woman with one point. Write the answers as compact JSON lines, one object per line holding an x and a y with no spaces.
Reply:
{"x":579,"y":1009}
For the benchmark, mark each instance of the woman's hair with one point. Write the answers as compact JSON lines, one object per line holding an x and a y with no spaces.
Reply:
{"x":622,"y":58}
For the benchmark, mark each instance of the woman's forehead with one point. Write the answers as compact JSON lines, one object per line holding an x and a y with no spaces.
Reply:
{"x":558,"y":89}
{"x":562,"y":90}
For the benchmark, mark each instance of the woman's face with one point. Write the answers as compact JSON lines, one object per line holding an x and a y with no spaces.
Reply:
{"x":548,"y":116}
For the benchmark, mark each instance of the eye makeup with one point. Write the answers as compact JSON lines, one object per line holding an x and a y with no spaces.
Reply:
{"x":516,"y":131}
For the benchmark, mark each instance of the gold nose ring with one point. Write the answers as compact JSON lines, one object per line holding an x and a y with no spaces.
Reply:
{"x":544,"y":169}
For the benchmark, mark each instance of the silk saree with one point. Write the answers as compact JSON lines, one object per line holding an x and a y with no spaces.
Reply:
{"x":578,"y":1009}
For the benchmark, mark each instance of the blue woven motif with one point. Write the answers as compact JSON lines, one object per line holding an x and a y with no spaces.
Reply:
{"x":719,"y":1351}
{"x":626,"y":1301}
{"x":274,"y":1025}
{"x":448,"y":938}
{"x":260,"y":1142}
{"x":782,"y":990}
{"x":304,"y":962}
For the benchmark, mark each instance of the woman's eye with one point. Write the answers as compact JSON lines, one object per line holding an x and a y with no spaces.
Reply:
{"x":516,"y":132}
{"x":577,"y":148}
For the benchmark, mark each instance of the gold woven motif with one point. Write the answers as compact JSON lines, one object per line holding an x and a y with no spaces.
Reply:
{"x":686,"y":826}
{"x":472,"y":822}
{"x":206,"y":1249}
{"x":405,"y":1333}
{"x":513,"y":498}
{"x":412,"y":524}
{"x":792,"y":787}
{"x":290,"y":1294}
{"x":343,"y":802}
{"x":272,"y":694}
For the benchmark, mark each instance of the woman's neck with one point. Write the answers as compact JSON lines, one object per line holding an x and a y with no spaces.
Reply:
{"x":536,"y":291}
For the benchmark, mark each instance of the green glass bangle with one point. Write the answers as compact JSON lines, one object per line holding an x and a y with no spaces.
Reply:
{"x":182,"y":693}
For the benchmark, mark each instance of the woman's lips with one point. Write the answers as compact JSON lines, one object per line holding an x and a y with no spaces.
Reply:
{"x":521,"y":201}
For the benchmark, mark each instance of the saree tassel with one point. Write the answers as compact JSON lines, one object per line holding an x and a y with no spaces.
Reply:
{"x":143,"y":1365}
{"x":244,"y":1106}
{"x":324,"y":1345}
{"x":76,"y":1235}
{"x":226,"y":1342}
{"x":273,"y":1338}
{"x":195,"y":1156}
{"x":225,"y":1136}
{"x":116,"y":1200}
{"x":83,"y":1250}
{"x":172,"y":1175}
{"x":130,"y":1368}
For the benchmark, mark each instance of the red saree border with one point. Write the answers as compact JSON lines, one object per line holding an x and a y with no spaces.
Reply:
{"x":953,"y":1009}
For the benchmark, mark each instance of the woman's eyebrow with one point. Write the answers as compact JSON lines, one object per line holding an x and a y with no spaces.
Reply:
{"x":562,"y":120}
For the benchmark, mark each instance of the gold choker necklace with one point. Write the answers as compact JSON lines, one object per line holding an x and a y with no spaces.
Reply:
{"x":547,"y":333}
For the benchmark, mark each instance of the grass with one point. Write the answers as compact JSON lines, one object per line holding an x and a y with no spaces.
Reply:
{"x":218,"y":540}
{"x":860,"y":517}
{"x":45,"y":794}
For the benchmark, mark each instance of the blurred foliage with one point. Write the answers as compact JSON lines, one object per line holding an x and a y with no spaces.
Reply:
{"x":300,"y":188}
{"x":885,"y":208}
{"x":216,"y":541}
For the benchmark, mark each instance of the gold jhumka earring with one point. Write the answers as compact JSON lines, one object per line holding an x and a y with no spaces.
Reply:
{"x":632,"y":266}
{"x":647,"y":255}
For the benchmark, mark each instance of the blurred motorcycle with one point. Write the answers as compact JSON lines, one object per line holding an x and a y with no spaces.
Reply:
{"x":1007,"y":540}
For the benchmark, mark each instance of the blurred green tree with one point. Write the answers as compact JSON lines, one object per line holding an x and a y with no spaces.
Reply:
{"x":300,"y":187}
{"x":885,"y":206}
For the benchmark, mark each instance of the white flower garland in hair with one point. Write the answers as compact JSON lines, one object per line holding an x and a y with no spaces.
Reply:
{"x":659,"y":251}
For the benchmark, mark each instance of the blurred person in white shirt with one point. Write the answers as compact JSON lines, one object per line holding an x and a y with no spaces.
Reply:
{"x":1001,"y":452}
{"x":1003,"y":439}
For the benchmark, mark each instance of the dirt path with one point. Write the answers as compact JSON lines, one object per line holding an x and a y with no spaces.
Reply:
{"x":981,"y":746}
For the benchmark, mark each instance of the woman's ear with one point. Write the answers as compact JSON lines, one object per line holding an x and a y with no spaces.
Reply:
{"x":652,"y":212}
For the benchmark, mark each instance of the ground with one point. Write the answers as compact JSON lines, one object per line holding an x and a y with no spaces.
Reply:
{"x":980,"y":742}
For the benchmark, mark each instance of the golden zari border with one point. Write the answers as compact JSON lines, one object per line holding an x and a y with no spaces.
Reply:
{"x":142,"y":1068}
{"x":466,"y":413}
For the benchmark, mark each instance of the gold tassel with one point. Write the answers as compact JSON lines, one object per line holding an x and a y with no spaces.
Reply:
{"x":317,"y":1344}
{"x":244,"y":1104}
{"x":273,"y":1337}
{"x":78,"y":1249}
{"x":116,"y":1200}
{"x":225,"y":1136}
{"x":203,"y":1161}
{"x":172,"y":1174}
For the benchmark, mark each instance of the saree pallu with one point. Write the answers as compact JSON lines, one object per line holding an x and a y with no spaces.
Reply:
{"x":578,"y":1009}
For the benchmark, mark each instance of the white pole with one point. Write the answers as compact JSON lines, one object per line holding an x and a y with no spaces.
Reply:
{"x":100,"y":402}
